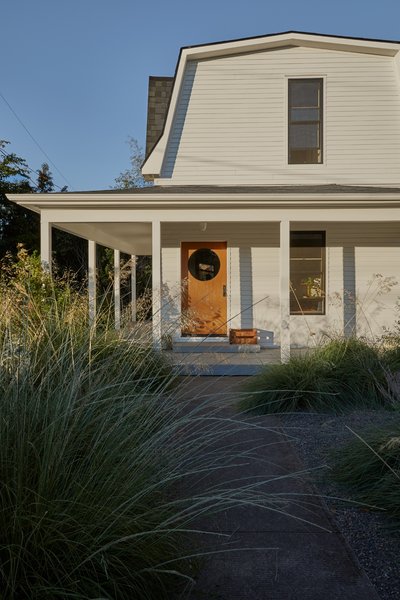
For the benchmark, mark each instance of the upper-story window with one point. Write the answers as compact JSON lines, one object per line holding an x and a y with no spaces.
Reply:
{"x":305,"y":121}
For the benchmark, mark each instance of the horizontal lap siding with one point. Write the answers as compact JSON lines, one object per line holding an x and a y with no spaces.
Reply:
{"x":376,"y":274}
{"x":356,"y":255}
{"x":230,"y":125}
{"x":363,"y":275}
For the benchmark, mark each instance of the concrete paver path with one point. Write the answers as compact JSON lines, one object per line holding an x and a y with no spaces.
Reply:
{"x":269,"y":554}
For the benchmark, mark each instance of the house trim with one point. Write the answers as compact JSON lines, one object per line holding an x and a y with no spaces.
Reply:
{"x":307,"y":167}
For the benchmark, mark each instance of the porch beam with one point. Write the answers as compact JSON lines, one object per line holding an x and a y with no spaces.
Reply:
{"x":284,"y":257}
{"x":133,"y":288}
{"x":45,"y":245}
{"x":92,"y":281}
{"x":156,"y":283}
{"x":361,"y":214}
{"x":117,"y":289}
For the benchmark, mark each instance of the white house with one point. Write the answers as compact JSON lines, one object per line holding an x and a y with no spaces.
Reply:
{"x":276,"y":197}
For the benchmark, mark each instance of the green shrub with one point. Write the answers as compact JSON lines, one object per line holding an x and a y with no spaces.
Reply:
{"x":392,"y":355}
{"x":370,"y":466}
{"x":338,"y":376}
{"x":24,"y":282}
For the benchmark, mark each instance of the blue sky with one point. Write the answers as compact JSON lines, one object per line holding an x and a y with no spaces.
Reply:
{"x":76,"y":71}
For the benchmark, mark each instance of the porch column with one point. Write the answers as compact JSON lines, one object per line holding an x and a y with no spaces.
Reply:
{"x":133,"y":288}
{"x":92,"y":280}
{"x":45,"y":244}
{"x":285,"y":289}
{"x":156,"y":283}
{"x":117,"y":289}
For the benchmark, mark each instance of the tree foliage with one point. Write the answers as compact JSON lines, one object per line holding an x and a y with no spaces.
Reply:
{"x":20,"y":227}
{"x":17,"y":225}
{"x":132,"y":177}
{"x":45,"y":182}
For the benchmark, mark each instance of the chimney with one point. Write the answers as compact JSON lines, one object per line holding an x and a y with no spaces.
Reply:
{"x":160,"y":89}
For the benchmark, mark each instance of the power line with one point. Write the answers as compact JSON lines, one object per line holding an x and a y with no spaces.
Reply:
{"x":6,"y":155}
{"x":34,"y":140}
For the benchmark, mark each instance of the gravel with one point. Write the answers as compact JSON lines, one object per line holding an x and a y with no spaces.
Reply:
{"x":366,"y":532}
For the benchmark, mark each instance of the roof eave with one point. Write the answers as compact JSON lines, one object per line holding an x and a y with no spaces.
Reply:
{"x":210,"y":200}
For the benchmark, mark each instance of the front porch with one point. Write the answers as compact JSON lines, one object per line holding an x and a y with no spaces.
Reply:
{"x":359,"y":227}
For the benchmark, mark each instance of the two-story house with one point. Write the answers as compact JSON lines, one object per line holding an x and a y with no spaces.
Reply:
{"x":276,"y":197}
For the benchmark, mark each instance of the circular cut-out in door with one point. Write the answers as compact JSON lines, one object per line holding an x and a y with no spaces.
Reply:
{"x":204,"y":264}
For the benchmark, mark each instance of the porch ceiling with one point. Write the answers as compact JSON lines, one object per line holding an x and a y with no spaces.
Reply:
{"x":132,"y":238}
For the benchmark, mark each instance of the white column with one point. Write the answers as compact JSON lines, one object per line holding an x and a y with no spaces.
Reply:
{"x":285,"y":289}
{"x":156,"y":283}
{"x":92,"y":281}
{"x":133,"y":288}
{"x":117,"y":290}
{"x":45,"y":244}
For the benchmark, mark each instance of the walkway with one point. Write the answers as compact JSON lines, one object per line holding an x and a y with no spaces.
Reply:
{"x":302,"y":558}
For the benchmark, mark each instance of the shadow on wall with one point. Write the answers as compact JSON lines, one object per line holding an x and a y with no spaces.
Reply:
{"x":246,"y":288}
{"x":171,"y":309}
{"x":349,"y":291}
{"x":179,"y":119}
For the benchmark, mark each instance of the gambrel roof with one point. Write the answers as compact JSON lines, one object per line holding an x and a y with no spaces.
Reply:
{"x":153,"y":163}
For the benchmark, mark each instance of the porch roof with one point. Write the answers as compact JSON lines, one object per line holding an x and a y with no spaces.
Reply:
{"x":122,"y":219}
{"x":246,"y":189}
{"x":223,"y":195}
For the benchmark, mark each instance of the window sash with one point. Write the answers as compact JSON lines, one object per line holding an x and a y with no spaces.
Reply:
{"x":305,"y":119}
{"x":307,"y":272}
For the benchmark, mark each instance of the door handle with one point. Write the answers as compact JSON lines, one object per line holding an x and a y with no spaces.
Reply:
{"x":224,"y":291}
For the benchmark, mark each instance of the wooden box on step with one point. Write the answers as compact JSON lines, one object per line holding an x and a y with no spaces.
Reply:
{"x":243,"y":336}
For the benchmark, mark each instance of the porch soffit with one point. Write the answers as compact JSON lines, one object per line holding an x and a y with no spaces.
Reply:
{"x":131,"y":238}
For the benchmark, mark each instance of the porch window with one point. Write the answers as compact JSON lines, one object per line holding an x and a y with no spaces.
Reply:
{"x":307,"y":272}
{"x":305,"y":121}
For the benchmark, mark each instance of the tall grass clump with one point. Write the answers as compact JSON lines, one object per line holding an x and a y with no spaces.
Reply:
{"x":337,"y":376}
{"x":370,"y":467}
{"x":96,"y":453}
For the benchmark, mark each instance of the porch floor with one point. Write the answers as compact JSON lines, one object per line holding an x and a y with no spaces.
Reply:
{"x":222,"y":364}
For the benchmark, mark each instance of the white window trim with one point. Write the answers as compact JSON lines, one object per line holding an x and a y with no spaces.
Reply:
{"x":327,"y":313}
{"x":306,"y":167}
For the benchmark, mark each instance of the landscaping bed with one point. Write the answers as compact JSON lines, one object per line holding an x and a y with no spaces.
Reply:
{"x":369,"y":533}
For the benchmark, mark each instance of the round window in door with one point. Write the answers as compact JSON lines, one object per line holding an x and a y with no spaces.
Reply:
{"x":204,"y":264}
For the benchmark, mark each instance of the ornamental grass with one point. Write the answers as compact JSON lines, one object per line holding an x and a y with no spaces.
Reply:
{"x":335,"y":377}
{"x":99,"y":455}
{"x":369,"y":467}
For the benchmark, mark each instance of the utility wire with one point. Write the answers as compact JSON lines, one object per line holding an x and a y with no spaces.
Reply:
{"x":34,"y":140}
{"x":31,"y":170}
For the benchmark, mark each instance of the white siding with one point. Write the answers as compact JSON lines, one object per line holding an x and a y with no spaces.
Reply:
{"x":253,"y":270}
{"x":355,"y":254}
{"x":231,"y":120}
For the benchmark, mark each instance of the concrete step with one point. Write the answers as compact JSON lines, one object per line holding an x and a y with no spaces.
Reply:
{"x":210,"y":339}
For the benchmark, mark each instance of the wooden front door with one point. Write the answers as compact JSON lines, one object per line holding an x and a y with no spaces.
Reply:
{"x":204,"y":306}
